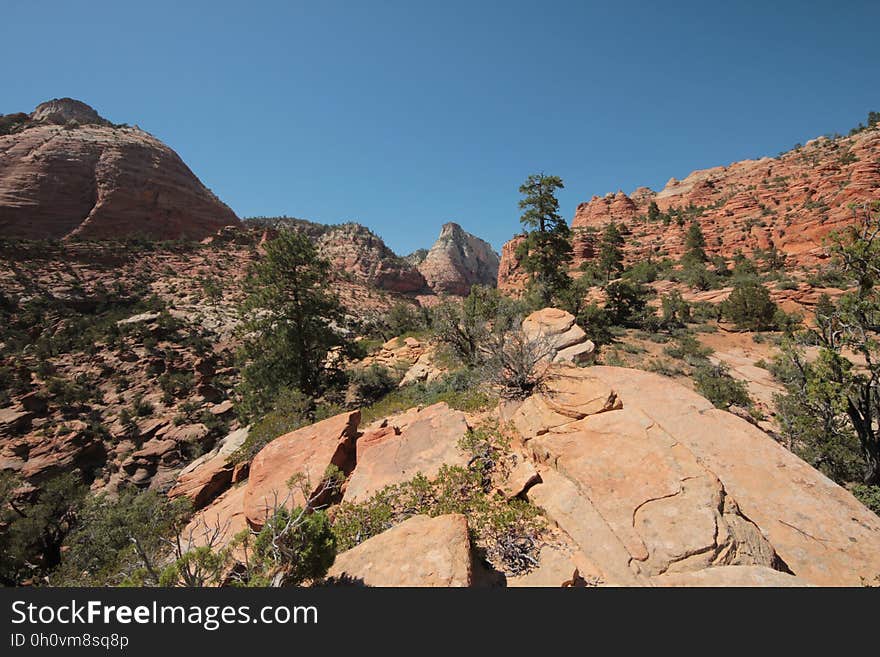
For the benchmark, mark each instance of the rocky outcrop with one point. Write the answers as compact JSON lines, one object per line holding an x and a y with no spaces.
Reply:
{"x":655,"y":486}
{"x":61,"y":111}
{"x":67,"y":172}
{"x":604,"y":209}
{"x":555,"y":331}
{"x":791,"y":202}
{"x":416,"y":442}
{"x":355,"y":251}
{"x":426,"y":552}
{"x":643,"y":482}
{"x":512,"y":277}
{"x":211,"y":473}
{"x":305,"y":453}
{"x":457,"y":261}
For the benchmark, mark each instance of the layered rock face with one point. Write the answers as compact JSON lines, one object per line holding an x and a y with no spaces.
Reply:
{"x":354,"y":250}
{"x":457,"y":261}
{"x":791,"y":202}
{"x":555,"y":331}
{"x":67,"y":172}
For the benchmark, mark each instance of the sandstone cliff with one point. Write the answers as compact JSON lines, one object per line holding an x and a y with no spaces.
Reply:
{"x":791,"y":202}
{"x":457,"y":261}
{"x":65,"y":171}
{"x":356,"y":251}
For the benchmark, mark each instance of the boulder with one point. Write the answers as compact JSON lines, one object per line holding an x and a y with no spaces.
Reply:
{"x":818,"y":529}
{"x":306,"y":452}
{"x":211,"y":473}
{"x":417,"y":442}
{"x":662,"y":485}
{"x":555,"y":330}
{"x":420,"y":551}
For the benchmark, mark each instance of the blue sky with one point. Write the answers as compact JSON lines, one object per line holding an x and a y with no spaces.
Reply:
{"x":405,"y":115}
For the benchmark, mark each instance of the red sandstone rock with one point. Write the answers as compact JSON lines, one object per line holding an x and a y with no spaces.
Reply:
{"x":69,"y":172}
{"x":457,"y":261}
{"x":306,"y":452}
{"x":420,"y":551}
{"x":791,"y":202}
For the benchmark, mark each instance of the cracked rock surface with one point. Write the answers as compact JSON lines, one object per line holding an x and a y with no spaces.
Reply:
{"x":661,"y":483}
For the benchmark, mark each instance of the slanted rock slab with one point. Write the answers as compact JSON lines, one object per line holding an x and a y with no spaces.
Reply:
{"x":307,"y":452}
{"x":427,"y":441}
{"x":420,"y":551}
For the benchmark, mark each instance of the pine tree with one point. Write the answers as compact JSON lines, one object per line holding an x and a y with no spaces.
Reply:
{"x":288,"y":322}
{"x":610,"y":252}
{"x":695,"y":243}
{"x":546,"y":252}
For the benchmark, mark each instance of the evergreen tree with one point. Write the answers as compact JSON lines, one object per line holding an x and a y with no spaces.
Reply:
{"x":835,"y":391}
{"x":610,"y":252}
{"x":546,"y":252}
{"x":288,"y":323}
{"x":695,"y":243}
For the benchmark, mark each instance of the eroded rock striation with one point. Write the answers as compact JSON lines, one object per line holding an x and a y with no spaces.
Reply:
{"x":792,"y":203}
{"x":457,"y":261}
{"x":65,"y":171}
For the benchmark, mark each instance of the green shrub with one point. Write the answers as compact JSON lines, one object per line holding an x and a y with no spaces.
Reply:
{"x":141,"y":407}
{"x":868,"y":495}
{"x":177,"y":384}
{"x":625,"y":302}
{"x":372,"y":383}
{"x":505,"y":531}
{"x":101,"y":550}
{"x":676,"y":312}
{"x":461,"y":389}
{"x":293,"y":547}
{"x":32,"y":532}
{"x":750,"y":308}
{"x":716,"y":385}
{"x":688,"y":348}
{"x":644,"y":271}
{"x":596,"y":323}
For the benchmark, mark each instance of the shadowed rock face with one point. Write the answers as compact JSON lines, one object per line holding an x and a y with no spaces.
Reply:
{"x":66,"y":171}
{"x":457,"y":261}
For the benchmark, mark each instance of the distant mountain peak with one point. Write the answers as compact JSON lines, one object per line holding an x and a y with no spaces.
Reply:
{"x":61,"y":111}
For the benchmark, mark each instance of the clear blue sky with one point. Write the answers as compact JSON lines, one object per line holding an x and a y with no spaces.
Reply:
{"x":404,"y":115}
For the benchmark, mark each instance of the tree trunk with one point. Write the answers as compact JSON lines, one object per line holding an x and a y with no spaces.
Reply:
{"x":872,"y":472}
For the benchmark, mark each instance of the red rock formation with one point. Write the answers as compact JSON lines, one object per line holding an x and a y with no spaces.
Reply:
{"x":353,"y":251}
{"x":68,"y":172}
{"x":511,"y":276}
{"x":791,"y":202}
{"x":457,"y":261}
